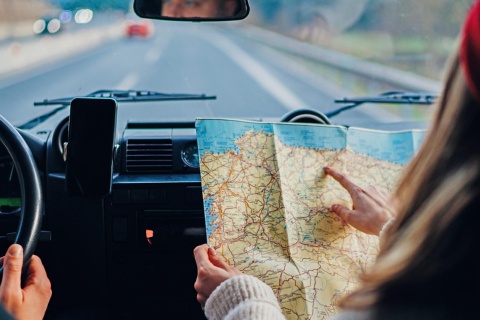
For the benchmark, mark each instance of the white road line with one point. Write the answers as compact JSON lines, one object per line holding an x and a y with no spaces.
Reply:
{"x":153,"y":55}
{"x":376,"y":112}
{"x":155,"y":52}
{"x":259,"y":73}
{"x":128,"y":82}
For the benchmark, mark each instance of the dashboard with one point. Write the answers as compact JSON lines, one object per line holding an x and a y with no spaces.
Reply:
{"x":127,"y":255}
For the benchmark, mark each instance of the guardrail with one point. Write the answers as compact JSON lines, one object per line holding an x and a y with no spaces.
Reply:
{"x":381,"y":77}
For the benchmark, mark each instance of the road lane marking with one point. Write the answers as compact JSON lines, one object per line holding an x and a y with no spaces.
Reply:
{"x":259,"y":73}
{"x":128,"y":82}
{"x":153,"y":55}
{"x":329,"y":88}
{"x":155,"y":52}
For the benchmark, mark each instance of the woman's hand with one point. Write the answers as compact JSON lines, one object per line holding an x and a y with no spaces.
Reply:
{"x":211,"y":271}
{"x":31,"y":301}
{"x":372,"y":207}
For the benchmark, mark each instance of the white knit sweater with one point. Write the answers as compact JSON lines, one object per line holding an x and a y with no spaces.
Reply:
{"x":243,"y":297}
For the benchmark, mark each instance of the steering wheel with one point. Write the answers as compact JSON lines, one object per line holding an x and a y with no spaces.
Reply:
{"x":305,"y":116}
{"x":31,"y":190}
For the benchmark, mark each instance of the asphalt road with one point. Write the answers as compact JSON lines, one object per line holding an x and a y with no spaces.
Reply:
{"x":250,"y":80}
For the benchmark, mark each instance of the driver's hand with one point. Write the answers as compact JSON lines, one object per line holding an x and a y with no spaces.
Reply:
{"x":372,"y":208}
{"x":211,"y":271}
{"x":31,"y":301}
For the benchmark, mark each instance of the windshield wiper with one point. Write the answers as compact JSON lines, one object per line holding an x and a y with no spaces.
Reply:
{"x":391,"y":97}
{"x":129,"y":96}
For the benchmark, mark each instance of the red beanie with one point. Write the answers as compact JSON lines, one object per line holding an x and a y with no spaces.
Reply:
{"x":470,"y":50}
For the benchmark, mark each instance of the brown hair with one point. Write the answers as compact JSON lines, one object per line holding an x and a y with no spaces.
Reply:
{"x":431,"y":250}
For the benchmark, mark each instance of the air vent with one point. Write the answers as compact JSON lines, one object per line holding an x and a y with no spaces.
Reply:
{"x":144,"y":155}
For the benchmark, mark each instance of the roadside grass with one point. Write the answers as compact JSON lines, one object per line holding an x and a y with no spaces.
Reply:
{"x":424,"y":56}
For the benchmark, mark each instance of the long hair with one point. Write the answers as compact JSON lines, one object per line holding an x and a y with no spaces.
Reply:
{"x":431,"y":254}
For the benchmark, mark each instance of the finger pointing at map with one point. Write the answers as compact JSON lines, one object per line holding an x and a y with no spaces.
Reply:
{"x":371,"y":208}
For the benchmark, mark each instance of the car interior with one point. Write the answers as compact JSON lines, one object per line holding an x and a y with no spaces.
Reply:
{"x":112,"y":203}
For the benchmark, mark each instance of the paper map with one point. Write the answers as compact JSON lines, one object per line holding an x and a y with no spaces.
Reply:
{"x":267,"y":203}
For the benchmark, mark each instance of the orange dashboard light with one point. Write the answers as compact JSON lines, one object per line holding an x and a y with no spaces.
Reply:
{"x":149,"y":235}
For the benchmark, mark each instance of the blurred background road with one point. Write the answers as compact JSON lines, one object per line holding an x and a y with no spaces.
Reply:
{"x":255,"y":73}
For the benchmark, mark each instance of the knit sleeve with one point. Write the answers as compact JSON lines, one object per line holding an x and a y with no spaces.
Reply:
{"x":243,"y":297}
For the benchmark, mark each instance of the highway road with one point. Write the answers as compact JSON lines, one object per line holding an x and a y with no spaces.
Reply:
{"x":250,"y":79}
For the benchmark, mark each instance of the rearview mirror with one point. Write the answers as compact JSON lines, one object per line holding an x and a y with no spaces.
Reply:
{"x":192,"y":10}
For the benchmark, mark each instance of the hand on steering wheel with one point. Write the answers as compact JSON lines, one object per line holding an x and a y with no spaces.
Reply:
{"x":31,"y":190}
{"x":30,"y":301}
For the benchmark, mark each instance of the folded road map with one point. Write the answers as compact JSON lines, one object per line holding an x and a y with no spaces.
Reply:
{"x":267,"y":203}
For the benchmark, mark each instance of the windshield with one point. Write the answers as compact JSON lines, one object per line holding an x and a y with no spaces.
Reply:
{"x":287,"y":54}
